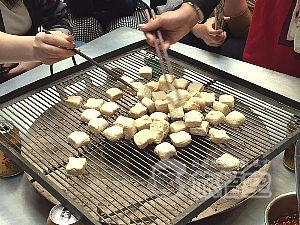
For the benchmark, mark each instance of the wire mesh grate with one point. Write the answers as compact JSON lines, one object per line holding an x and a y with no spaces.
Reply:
{"x":125,"y":185}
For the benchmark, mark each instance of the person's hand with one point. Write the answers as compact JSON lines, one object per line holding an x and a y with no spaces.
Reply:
{"x":54,"y":47}
{"x":208,"y":33}
{"x":19,"y":68}
{"x":173,"y":25}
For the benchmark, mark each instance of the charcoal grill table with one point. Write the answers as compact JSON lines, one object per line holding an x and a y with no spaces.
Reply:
{"x":21,"y":202}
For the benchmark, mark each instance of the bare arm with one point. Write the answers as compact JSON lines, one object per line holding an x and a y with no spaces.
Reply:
{"x":42,"y":47}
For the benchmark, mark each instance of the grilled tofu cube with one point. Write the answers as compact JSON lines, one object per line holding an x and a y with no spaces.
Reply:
{"x":218,"y":136}
{"x":74,"y":101}
{"x":97,"y":125}
{"x":200,"y":131}
{"x":165,"y":82}
{"x":143,"y":138}
{"x":149,"y":104}
{"x":137,"y":111}
{"x":222,"y":107}
{"x":180,"y":83}
{"x":159,"y":129}
{"x":208,"y":97}
{"x":180,"y":139}
{"x":165,"y":151}
{"x":144,"y":91}
{"x":176,"y":113}
{"x":114,"y":94}
{"x":199,"y":101}
{"x":76,"y":166}
{"x":93,"y":103}
{"x":129,"y":129}
{"x":189,"y":106}
{"x":227,"y":162}
{"x":161,"y":106}
{"x":159,"y":95}
{"x":125,"y":78}
{"x":78,"y":139}
{"x":145,"y":72}
{"x":109,"y":108}
{"x":178,"y":97}
{"x":227,"y":99}
{"x":235,"y":119}
{"x":159,"y":116}
{"x":113,"y":133}
{"x":89,"y":114}
{"x":194,"y":86}
{"x":215,"y":117}
{"x":143,"y":122}
{"x":153,"y":85}
{"x":193,"y":118}
{"x":177,"y":126}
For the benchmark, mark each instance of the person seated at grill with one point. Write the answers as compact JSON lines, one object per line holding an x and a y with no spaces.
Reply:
{"x":22,"y":47}
{"x":229,"y":41}
{"x":91,"y":19}
{"x":274,"y":48}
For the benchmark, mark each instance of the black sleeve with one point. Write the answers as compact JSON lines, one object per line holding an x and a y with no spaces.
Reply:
{"x":206,"y":6}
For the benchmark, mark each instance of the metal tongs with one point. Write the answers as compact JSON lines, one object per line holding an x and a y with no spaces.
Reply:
{"x":297,"y":173}
{"x":93,"y":62}
{"x":159,"y":46}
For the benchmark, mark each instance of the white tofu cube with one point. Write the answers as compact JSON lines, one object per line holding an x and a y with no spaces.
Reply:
{"x":125,"y":78}
{"x":159,"y":129}
{"x":109,"y":108}
{"x":222,"y":107}
{"x":180,"y":83}
{"x":195,"y":87}
{"x":235,"y":119}
{"x":89,"y":114}
{"x":114,"y":94}
{"x":161,"y":106}
{"x":193,"y":118}
{"x":200,"y":131}
{"x":178,"y":97}
{"x":218,"y":136}
{"x":176,"y":113}
{"x":177,"y":126}
{"x":145,"y":72}
{"x":128,"y":125}
{"x":159,"y":116}
{"x":165,"y":82}
{"x":76,"y":166}
{"x":165,"y":151}
{"x":159,"y":95}
{"x":113,"y":133}
{"x":180,"y":139}
{"x":74,"y":101}
{"x":189,"y":106}
{"x":97,"y":125}
{"x":199,"y":101}
{"x":227,"y":99}
{"x":215,"y":117}
{"x":208,"y":97}
{"x":143,"y":138}
{"x":78,"y":139}
{"x":153,"y":85}
{"x":143,"y":122}
{"x":144,"y":91}
{"x":93,"y":103}
{"x":137,"y":111}
{"x":227,"y":162}
{"x":149,"y":104}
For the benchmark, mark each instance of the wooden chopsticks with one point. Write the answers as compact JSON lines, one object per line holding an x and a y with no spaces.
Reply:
{"x":160,"y":46}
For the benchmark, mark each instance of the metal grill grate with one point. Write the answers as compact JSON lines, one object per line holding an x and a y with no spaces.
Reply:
{"x":125,"y":185}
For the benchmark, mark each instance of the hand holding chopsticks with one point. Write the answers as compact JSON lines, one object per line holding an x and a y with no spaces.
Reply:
{"x":159,"y":44}
{"x":93,"y":62}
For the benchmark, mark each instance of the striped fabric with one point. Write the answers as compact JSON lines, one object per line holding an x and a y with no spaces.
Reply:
{"x":87,"y":29}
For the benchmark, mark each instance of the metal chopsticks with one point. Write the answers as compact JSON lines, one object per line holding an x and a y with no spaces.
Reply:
{"x":92,"y":61}
{"x":157,"y":47}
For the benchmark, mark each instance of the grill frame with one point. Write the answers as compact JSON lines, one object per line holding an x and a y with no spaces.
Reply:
{"x":15,"y":96}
